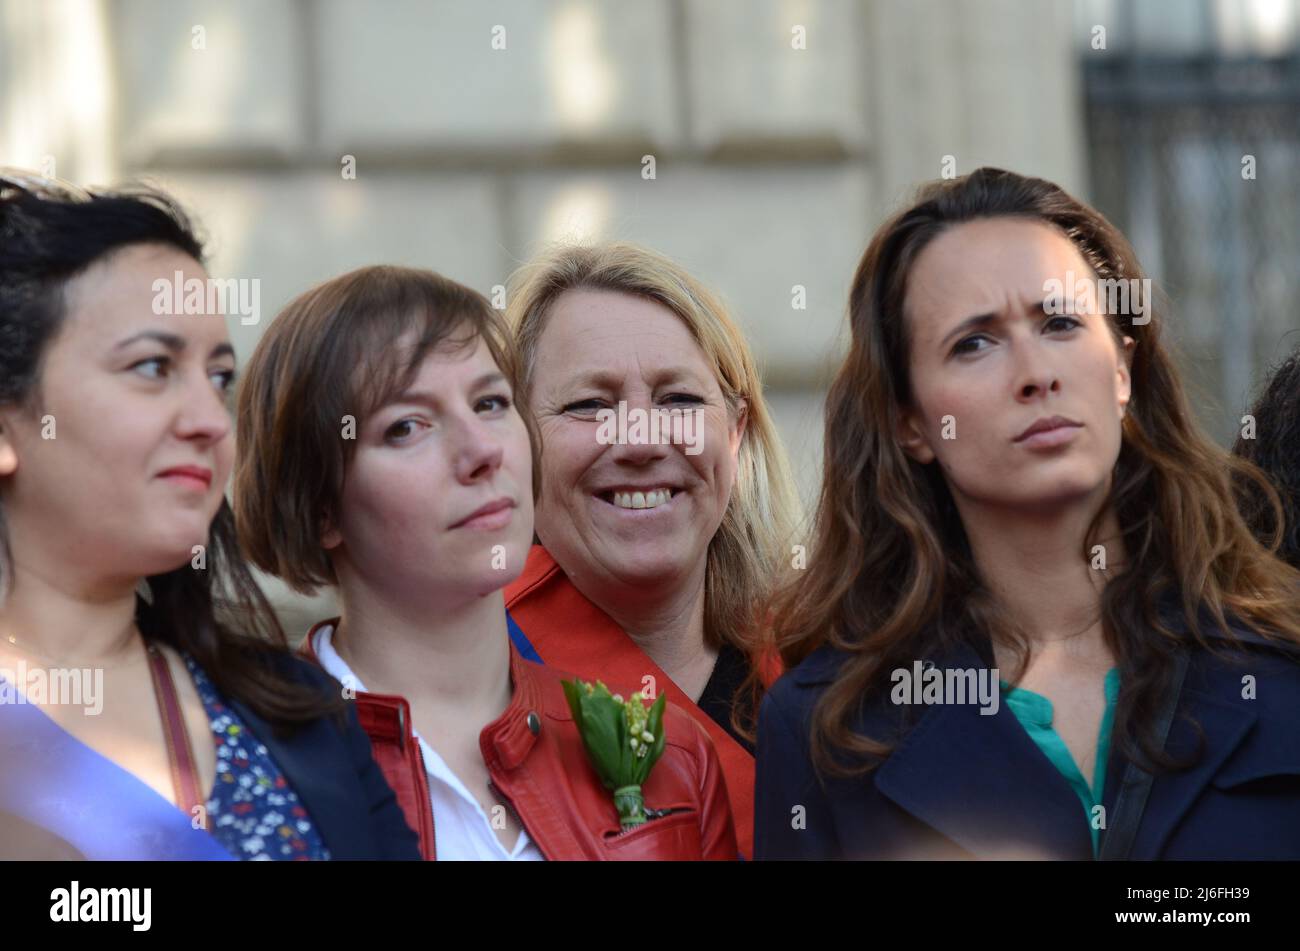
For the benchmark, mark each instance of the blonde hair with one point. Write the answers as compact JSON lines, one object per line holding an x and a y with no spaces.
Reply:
{"x":749,"y":548}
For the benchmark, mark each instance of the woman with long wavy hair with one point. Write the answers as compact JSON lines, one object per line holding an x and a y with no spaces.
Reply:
{"x":1030,"y":586}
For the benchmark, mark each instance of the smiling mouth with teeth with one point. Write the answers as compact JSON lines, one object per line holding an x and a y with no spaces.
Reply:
{"x":639,"y":500}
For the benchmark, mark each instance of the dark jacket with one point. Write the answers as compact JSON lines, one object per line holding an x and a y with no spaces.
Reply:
{"x":962,"y":785}
{"x":335,"y":776}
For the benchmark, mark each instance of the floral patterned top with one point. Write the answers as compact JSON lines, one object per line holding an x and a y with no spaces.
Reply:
{"x":252,"y":810}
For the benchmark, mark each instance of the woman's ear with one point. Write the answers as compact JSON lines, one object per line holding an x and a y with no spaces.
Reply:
{"x":8,"y":454}
{"x":911,"y":437}
{"x":738,"y":428}
{"x":1123,"y":374}
{"x":330,"y":537}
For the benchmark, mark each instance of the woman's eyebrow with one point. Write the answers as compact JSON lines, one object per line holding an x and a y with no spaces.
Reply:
{"x":677,"y":374}
{"x":432,"y":400}
{"x":605,"y":380}
{"x":596,"y":379}
{"x":173,"y":342}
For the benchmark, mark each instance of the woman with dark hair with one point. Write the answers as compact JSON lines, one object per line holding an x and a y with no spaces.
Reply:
{"x":1031,"y":588}
{"x":149,"y":705}
{"x":1271,"y":440}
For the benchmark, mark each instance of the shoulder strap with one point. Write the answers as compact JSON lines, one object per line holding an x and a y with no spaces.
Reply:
{"x":1117,"y":841}
{"x":185,"y":778}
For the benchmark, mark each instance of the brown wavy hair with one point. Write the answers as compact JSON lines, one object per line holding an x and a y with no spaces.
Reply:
{"x":891,"y":575}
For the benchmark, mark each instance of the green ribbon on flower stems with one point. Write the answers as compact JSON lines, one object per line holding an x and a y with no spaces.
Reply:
{"x":623,"y":740}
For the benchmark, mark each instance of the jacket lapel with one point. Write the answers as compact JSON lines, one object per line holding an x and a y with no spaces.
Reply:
{"x":1225,"y":726}
{"x":980,"y":781}
{"x":306,"y":760}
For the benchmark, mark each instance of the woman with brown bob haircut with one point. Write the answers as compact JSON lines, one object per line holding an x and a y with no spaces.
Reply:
{"x":1025,"y":546}
{"x":382,"y":451}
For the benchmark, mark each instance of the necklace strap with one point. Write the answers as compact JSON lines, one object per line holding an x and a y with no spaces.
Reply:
{"x":185,"y":777}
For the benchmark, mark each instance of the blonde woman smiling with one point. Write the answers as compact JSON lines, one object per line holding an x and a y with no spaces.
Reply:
{"x":653,"y":553}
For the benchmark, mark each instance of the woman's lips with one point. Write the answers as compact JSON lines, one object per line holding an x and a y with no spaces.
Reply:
{"x":1051,"y":438}
{"x":195,"y":478}
{"x":490,"y":517}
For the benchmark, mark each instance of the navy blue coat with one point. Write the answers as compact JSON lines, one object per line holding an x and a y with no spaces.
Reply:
{"x":962,"y":785}
{"x":336,"y":777}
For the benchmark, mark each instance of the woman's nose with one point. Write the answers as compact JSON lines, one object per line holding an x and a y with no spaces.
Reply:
{"x":1036,"y":371}
{"x":478,"y":451}
{"x":204,"y":414}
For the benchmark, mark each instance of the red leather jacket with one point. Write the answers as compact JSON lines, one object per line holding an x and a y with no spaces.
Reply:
{"x":537,"y":763}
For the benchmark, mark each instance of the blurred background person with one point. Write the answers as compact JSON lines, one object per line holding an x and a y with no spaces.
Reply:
{"x":1271,"y":440}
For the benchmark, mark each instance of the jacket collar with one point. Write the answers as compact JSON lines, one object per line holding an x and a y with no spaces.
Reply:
{"x":513,"y":735}
{"x":979,"y":780}
{"x":510,"y":737}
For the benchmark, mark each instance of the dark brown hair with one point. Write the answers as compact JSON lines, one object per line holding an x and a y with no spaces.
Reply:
{"x":50,"y":233}
{"x":342,"y":349}
{"x":891,"y":576}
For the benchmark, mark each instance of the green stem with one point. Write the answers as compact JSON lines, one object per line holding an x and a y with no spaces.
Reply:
{"x":630,"y":805}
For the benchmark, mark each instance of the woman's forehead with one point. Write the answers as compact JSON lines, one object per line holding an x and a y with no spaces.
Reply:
{"x":135,"y":292}
{"x":983,"y":265}
{"x":591,"y":330}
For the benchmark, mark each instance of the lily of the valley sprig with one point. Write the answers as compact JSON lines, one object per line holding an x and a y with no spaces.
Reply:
{"x":623,"y":740}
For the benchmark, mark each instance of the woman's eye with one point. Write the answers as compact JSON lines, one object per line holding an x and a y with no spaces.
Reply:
{"x":154,"y":367}
{"x":1062,"y":323}
{"x":583,"y":406}
{"x":224,"y":379}
{"x":965,"y":345}
{"x":400,"y":430}
{"x":683,"y":398}
{"x":495,"y":403}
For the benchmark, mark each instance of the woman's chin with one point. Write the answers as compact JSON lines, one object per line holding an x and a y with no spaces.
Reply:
{"x":483,"y":584}
{"x":648,"y":570}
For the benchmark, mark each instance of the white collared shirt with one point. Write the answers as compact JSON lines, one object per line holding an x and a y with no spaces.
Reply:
{"x":462,"y":830}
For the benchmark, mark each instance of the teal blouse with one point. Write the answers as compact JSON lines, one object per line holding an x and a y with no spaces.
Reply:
{"x":1034,"y":711}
